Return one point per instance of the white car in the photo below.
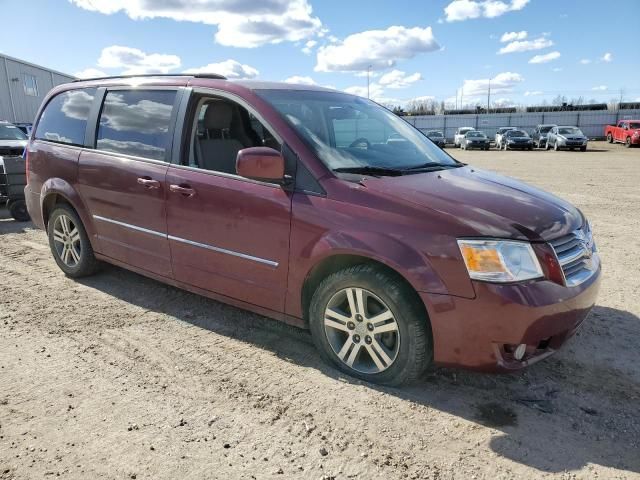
(500, 133)
(460, 133)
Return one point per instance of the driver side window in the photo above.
(220, 129)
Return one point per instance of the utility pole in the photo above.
(489, 96)
(368, 72)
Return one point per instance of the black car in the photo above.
(475, 139)
(437, 137)
(517, 139)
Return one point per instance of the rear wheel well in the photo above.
(336, 263)
(49, 204)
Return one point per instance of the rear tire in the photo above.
(70, 243)
(18, 210)
(609, 138)
(356, 295)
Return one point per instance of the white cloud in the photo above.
(309, 46)
(298, 80)
(135, 61)
(526, 45)
(600, 88)
(585, 61)
(90, 73)
(532, 93)
(502, 102)
(557, 69)
(502, 82)
(240, 23)
(546, 58)
(511, 36)
(607, 57)
(399, 79)
(459, 10)
(375, 91)
(379, 49)
(231, 69)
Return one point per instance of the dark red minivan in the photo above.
(314, 207)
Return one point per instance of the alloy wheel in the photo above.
(66, 240)
(362, 330)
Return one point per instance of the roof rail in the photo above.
(195, 75)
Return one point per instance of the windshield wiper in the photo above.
(370, 170)
(432, 166)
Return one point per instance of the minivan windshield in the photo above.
(350, 133)
(11, 132)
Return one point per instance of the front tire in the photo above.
(70, 244)
(369, 325)
(627, 142)
(556, 147)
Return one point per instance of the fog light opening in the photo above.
(520, 350)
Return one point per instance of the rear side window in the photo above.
(64, 119)
(136, 123)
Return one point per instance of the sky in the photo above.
(450, 50)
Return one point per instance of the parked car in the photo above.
(516, 140)
(12, 183)
(12, 139)
(25, 127)
(437, 137)
(539, 135)
(627, 132)
(394, 254)
(459, 135)
(499, 134)
(475, 139)
(565, 137)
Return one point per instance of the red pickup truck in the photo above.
(627, 132)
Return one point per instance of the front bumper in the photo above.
(480, 146)
(522, 146)
(481, 333)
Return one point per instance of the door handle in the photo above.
(186, 191)
(148, 182)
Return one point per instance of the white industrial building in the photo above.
(23, 86)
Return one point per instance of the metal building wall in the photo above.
(591, 123)
(15, 104)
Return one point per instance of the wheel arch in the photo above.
(55, 191)
(334, 263)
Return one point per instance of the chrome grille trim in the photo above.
(577, 255)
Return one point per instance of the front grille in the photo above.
(9, 151)
(577, 255)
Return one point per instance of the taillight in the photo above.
(26, 163)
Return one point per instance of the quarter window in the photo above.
(136, 123)
(64, 119)
(30, 85)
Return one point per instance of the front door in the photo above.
(228, 234)
(122, 181)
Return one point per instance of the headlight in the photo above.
(500, 260)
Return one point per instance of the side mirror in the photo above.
(261, 163)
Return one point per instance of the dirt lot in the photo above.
(119, 376)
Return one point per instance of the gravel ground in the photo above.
(118, 376)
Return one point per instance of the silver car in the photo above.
(475, 139)
(566, 137)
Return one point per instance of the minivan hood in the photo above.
(483, 203)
